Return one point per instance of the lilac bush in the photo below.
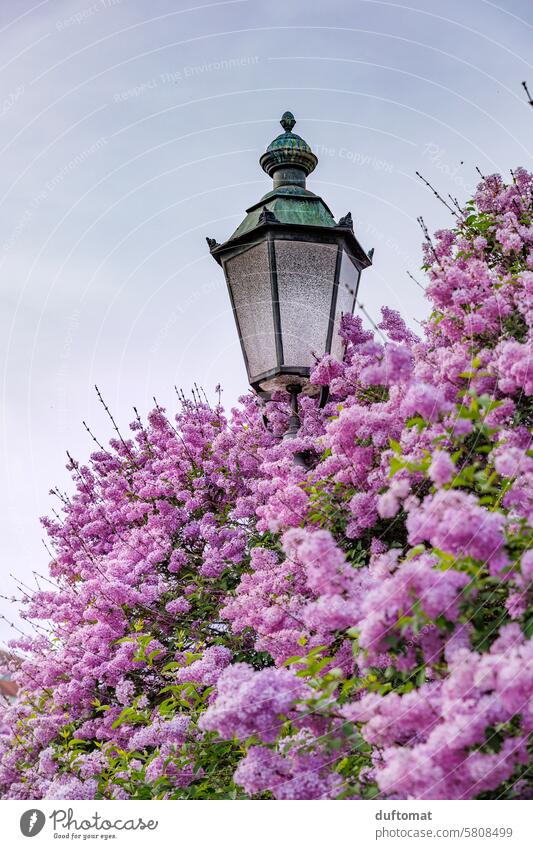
(220, 623)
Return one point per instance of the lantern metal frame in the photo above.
(342, 237)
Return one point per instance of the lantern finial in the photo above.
(288, 121)
(289, 155)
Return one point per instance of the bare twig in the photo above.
(435, 192)
(415, 280)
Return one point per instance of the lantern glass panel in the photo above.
(305, 275)
(348, 280)
(249, 280)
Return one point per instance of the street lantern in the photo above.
(291, 270)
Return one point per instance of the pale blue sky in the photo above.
(130, 130)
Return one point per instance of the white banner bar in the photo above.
(268, 825)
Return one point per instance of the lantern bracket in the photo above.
(301, 458)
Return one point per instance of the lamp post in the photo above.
(292, 271)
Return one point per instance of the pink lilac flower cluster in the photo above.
(440, 741)
(219, 621)
(302, 774)
(251, 703)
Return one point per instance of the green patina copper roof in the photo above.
(290, 205)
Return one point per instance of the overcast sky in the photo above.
(130, 130)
